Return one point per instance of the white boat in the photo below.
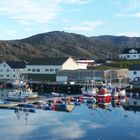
(21, 95)
(89, 91)
(122, 93)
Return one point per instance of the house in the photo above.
(82, 64)
(134, 72)
(130, 54)
(12, 69)
(45, 68)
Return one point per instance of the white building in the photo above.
(12, 69)
(82, 64)
(130, 54)
(134, 72)
(43, 67)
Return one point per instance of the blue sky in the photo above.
(24, 18)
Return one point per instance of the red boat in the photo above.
(103, 96)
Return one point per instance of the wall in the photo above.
(43, 69)
(80, 75)
(82, 66)
(9, 73)
(69, 64)
(5, 71)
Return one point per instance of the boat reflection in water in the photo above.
(72, 118)
(68, 104)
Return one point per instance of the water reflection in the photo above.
(100, 121)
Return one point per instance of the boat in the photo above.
(103, 95)
(89, 91)
(21, 95)
(121, 92)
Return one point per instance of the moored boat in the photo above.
(21, 95)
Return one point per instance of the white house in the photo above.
(134, 72)
(130, 53)
(43, 67)
(82, 64)
(12, 69)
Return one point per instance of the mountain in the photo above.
(59, 44)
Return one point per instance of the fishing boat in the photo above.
(21, 95)
(103, 95)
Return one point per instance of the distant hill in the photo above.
(61, 44)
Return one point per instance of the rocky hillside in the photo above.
(58, 43)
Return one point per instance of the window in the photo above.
(51, 69)
(128, 56)
(134, 55)
(4, 65)
(13, 70)
(46, 69)
(134, 72)
(38, 70)
(7, 70)
(14, 75)
(7, 75)
(56, 69)
(1, 75)
(28, 69)
(33, 70)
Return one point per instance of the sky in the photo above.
(23, 18)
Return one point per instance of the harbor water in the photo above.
(117, 120)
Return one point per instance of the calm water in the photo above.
(83, 123)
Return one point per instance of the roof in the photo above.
(16, 64)
(47, 61)
(135, 67)
(126, 51)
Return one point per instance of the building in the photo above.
(130, 54)
(82, 64)
(134, 72)
(96, 75)
(12, 69)
(45, 68)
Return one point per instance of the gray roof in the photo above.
(126, 51)
(16, 64)
(47, 61)
(135, 67)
